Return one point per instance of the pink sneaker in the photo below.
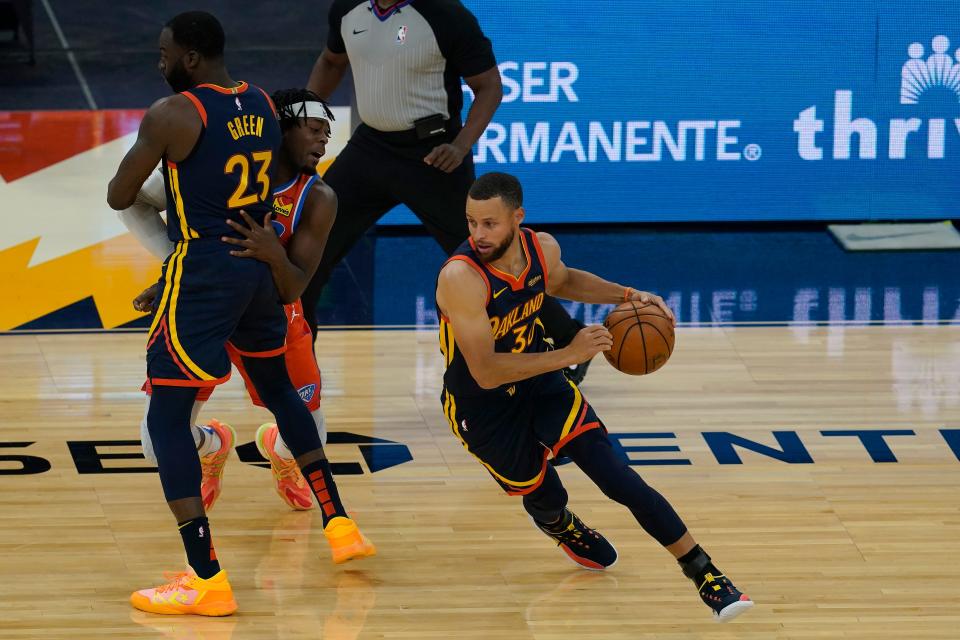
(212, 464)
(291, 486)
(186, 593)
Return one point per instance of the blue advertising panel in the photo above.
(726, 110)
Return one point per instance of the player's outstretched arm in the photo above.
(170, 124)
(293, 267)
(583, 286)
(462, 295)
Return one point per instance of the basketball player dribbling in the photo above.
(508, 405)
(291, 241)
(218, 140)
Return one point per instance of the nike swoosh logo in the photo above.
(857, 237)
(499, 292)
(355, 32)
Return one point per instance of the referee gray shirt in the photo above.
(407, 60)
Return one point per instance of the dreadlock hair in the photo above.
(291, 116)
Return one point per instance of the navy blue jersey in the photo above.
(230, 168)
(513, 306)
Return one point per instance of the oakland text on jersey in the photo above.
(516, 315)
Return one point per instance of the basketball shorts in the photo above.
(512, 431)
(300, 359)
(208, 298)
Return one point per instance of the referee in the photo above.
(408, 57)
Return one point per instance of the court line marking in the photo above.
(70, 57)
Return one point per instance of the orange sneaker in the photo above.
(212, 464)
(188, 594)
(346, 541)
(290, 484)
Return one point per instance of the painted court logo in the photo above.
(938, 70)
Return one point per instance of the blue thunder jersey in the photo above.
(513, 306)
(230, 168)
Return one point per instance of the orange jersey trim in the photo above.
(240, 88)
(515, 282)
(199, 105)
(540, 478)
(164, 329)
(539, 250)
(273, 107)
(476, 268)
(167, 382)
(579, 431)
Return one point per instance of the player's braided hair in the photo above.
(290, 108)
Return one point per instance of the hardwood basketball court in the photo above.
(840, 547)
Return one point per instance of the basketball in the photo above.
(643, 338)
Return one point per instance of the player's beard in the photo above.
(178, 78)
(501, 249)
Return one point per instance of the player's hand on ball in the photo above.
(258, 242)
(144, 302)
(645, 297)
(588, 342)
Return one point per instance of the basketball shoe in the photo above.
(211, 465)
(290, 483)
(346, 541)
(187, 593)
(726, 601)
(583, 545)
(716, 590)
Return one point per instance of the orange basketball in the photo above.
(643, 338)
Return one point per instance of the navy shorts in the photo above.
(513, 430)
(209, 298)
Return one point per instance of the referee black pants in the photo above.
(370, 177)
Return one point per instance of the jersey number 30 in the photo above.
(240, 197)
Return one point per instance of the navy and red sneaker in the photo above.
(583, 545)
(726, 601)
(715, 589)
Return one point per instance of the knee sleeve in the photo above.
(168, 428)
(147, 444)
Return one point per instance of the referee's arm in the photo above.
(327, 73)
(488, 91)
(329, 68)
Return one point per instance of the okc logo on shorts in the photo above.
(940, 69)
(307, 391)
(402, 34)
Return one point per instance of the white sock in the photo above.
(321, 423)
(280, 448)
(195, 412)
(206, 440)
